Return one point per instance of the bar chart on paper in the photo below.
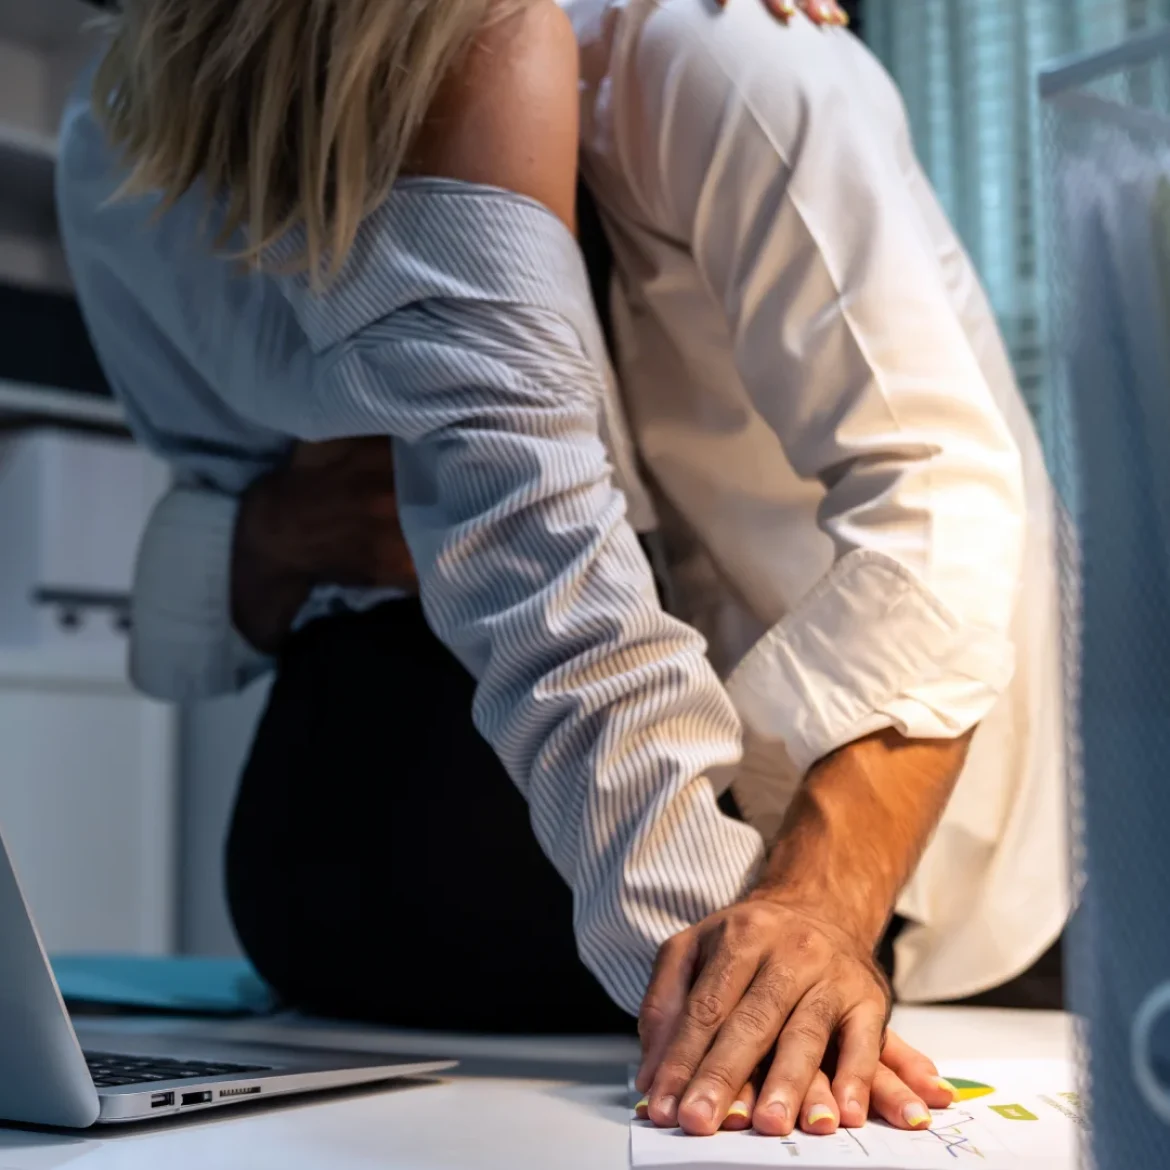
(1009, 1115)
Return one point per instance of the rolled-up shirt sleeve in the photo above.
(183, 644)
(603, 709)
(766, 152)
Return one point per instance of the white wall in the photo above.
(26, 87)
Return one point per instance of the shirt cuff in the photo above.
(869, 647)
(183, 645)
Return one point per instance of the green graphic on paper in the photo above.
(968, 1090)
(1014, 1112)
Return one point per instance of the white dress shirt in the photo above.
(851, 494)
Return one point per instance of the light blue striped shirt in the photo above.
(461, 328)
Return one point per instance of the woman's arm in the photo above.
(216, 576)
(461, 327)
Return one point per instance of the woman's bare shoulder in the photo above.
(508, 117)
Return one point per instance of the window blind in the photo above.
(967, 71)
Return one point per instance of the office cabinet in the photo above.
(87, 784)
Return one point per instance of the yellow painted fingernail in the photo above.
(916, 1115)
(946, 1086)
(642, 1109)
(819, 1113)
(739, 1109)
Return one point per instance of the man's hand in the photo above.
(329, 517)
(906, 1087)
(789, 971)
(725, 990)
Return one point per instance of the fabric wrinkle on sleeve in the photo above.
(603, 709)
(185, 645)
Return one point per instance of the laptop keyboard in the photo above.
(109, 1070)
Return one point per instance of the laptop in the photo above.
(49, 1076)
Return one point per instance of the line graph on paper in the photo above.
(954, 1136)
(845, 1145)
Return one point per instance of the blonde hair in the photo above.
(299, 112)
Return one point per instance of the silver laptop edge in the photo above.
(296, 1074)
(45, 1078)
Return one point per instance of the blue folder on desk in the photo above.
(188, 985)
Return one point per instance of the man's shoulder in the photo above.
(739, 47)
(671, 86)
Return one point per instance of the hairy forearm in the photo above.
(858, 826)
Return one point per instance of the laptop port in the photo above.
(159, 1100)
(243, 1091)
(196, 1098)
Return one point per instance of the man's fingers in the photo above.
(723, 979)
(739, 1116)
(859, 1053)
(799, 1053)
(918, 1072)
(742, 1042)
(665, 1002)
(893, 1101)
(819, 1113)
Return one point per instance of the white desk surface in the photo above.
(569, 1111)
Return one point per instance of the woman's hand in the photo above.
(906, 1088)
(818, 11)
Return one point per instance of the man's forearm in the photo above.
(266, 594)
(858, 826)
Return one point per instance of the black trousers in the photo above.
(380, 865)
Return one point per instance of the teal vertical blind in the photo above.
(967, 70)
